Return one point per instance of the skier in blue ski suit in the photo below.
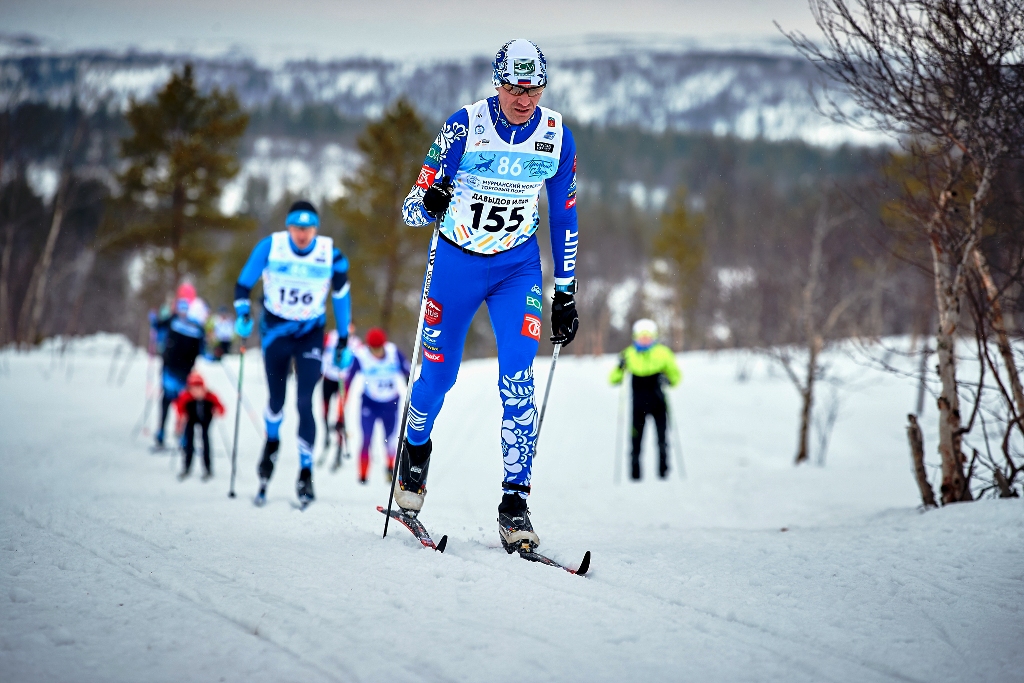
(482, 179)
(298, 268)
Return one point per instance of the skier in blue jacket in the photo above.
(299, 268)
(481, 180)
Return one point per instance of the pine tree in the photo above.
(182, 151)
(680, 241)
(386, 256)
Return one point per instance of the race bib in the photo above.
(497, 187)
(295, 286)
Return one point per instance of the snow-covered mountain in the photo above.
(747, 94)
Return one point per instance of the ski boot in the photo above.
(304, 487)
(514, 525)
(412, 478)
(265, 469)
(183, 475)
(207, 476)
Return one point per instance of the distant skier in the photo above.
(333, 378)
(184, 341)
(650, 364)
(223, 332)
(499, 153)
(383, 367)
(159, 324)
(299, 268)
(196, 407)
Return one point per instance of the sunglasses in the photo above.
(518, 90)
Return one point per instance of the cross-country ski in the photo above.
(417, 529)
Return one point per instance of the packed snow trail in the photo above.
(111, 570)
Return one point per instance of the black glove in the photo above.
(437, 198)
(564, 319)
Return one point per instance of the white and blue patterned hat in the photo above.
(520, 62)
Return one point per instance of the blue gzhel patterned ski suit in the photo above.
(295, 287)
(488, 252)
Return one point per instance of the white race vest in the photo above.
(381, 376)
(295, 287)
(497, 186)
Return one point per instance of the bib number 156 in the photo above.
(295, 295)
(496, 217)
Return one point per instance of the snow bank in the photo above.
(746, 570)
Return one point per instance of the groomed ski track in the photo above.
(111, 570)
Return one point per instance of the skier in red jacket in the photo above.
(196, 406)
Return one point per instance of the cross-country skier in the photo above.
(159, 324)
(299, 268)
(196, 406)
(651, 364)
(184, 341)
(223, 332)
(383, 366)
(498, 153)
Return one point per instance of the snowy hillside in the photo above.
(746, 570)
(748, 94)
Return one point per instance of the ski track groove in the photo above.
(627, 603)
(196, 601)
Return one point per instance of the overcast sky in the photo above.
(393, 28)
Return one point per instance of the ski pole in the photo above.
(547, 393)
(238, 416)
(413, 365)
(675, 433)
(249, 410)
(141, 427)
(619, 445)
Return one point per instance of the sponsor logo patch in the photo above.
(430, 339)
(434, 153)
(433, 357)
(533, 302)
(573, 163)
(524, 67)
(433, 314)
(485, 141)
(531, 327)
(536, 290)
(543, 146)
(551, 122)
(478, 130)
(570, 202)
(550, 135)
(426, 177)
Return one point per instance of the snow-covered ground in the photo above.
(747, 570)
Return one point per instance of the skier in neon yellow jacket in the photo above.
(650, 364)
